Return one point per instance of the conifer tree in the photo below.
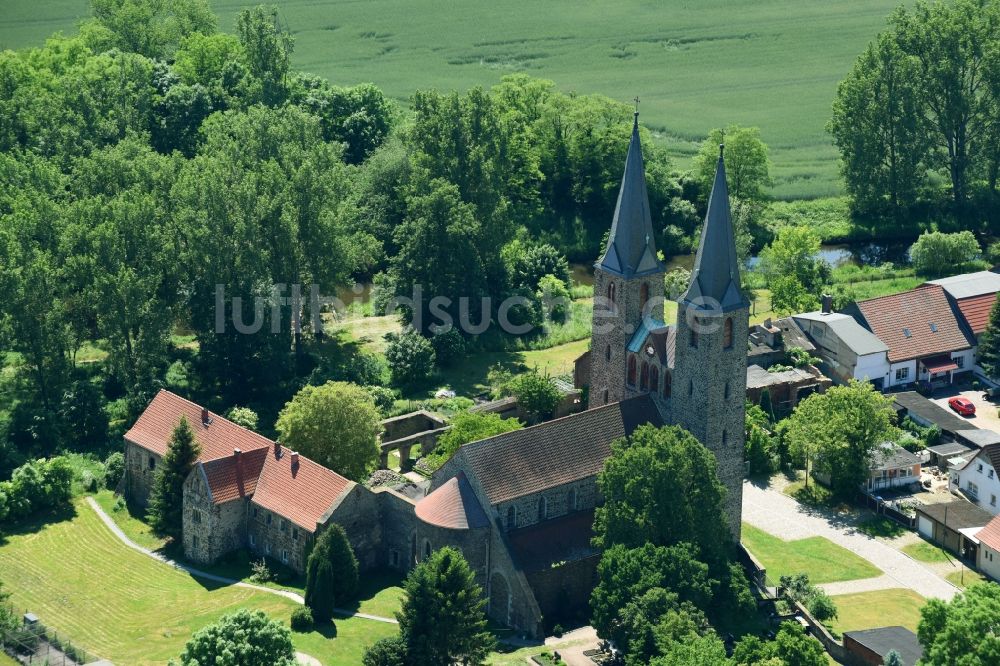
(989, 343)
(166, 502)
(442, 619)
(331, 573)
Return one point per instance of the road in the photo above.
(774, 512)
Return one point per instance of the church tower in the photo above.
(711, 348)
(628, 282)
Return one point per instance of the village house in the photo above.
(893, 467)
(973, 296)
(927, 342)
(989, 549)
(847, 349)
(978, 480)
(953, 525)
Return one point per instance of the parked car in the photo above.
(962, 405)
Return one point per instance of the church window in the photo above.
(543, 508)
(666, 384)
(643, 295)
(725, 391)
(607, 353)
(427, 548)
(511, 517)
(253, 540)
(725, 438)
(611, 293)
(693, 340)
(631, 370)
(152, 462)
(644, 377)
(284, 556)
(194, 541)
(654, 379)
(195, 516)
(690, 387)
(571, 500)
(727, 333)
(605, 396)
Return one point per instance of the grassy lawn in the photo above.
(880, 526)
(126, 607)
(130, 521)
(870, 610)
(964, 579)
(924, 551)
(823, 560)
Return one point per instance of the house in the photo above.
(978, 479)
(771, 341)
(973, 295)
(893, 467)
(871, 646)
(949, 523)
(847, 349)
(927, 342)
(785, 387)
(989, 549)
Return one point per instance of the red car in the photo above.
(962, 405)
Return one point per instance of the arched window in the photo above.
(690, 387)
(605, 396)
(643, 295)
(511, 517)
(725, 391)
(427, 548)
(543, 508)
(607, 353)
(611, 292)
(654, 379)
(631, 370)
(571, 500)
(725, 438)
(666, 384)
(727, 333)
(644, 377)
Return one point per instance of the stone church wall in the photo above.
(358, 514)
(398, 529)
(563, 592)
(138, 473)
(557, 503)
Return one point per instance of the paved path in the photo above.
(297, 598)
(780, 515)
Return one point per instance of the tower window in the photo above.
(725, 438)
(605, 396)
(666, 384)
(690, 387)
(643, 295)
(543, 509)
(611, 292)
(631, 370)
(654, 379)
(693, 340)
(607, 353)
(725, 391)
(644, 377)
(727, 333)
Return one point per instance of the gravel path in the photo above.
(780, 515)
(297, 598)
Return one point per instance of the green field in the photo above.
(821, 559)
(871, 610)
(774, 64)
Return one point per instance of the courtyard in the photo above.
(986, 417)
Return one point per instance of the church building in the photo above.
(520, 505)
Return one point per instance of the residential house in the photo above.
(893, 467)
(927, 341)
(989, 549)
(978, 479)
(953, 525)
(973, 295)
(847, 349)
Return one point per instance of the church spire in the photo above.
(631, 250)
(715, 279)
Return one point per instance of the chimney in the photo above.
(277, 449)
(827, 303)
(204, 417)
(295, 458)
(236, 454)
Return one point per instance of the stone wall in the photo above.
(559, 501)
(474, 545)
(210, 530)
(271, 535)
(563, 592)
(398, 529)
(139, 474)
(510, 599)
(409, 424)
(358, 513)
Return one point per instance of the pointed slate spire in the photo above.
(715, 279)
(631, 250)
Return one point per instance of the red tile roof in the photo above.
(453, 505)
(915, 323)
(976, 311)
(217, 440)
(990, 535)
(229, 480)
(302, 493)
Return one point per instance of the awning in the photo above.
(937, 364)
(970, 533)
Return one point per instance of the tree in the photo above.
(794, 253)
(471, 427)
(166, 500)
(841, 430)
(152, 28)
(336, 425)
(442, 619)
(936, 254)
(555, 299)
(527, 263)
(791, 645)
(989, 343)
(708, 650)
(331, 573)
(536, 394)
(410, 357)
(243, 638)
(961, 631)
(114, 469)
(789, 296)
(759, 452)
(747, 164)
(880, 129)
(243, 417)
(268, 50)
(386, 652)
(661, 487)
(893, 658)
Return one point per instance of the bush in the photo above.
(821, 606)
(383, 397)
(555, 298)
(114, 470)
(937, 253)
(244, 417)
(302, 619)
(88, 482)
(410, 356)
(38, 485)
(386, 652)
(536, 394)
(261, 572)
(449, 347)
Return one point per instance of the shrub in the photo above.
(302, 619)
(555, 298)
(243, 416)
(384, 398)
(821, 606)
(386, 652)
(114, 470)
(88, 482)
(261, 572)
(410, 356)
(449, 347)
(258, 640)
(536, 394)
(937, 253)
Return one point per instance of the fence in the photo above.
(888, 509)
(34, 643)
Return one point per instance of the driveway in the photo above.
(774, 512)
(986, 412)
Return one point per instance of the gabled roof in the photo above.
(229, 479)
(990, 454)
(556, 452)
(913, 324)
(662, 337)
(885, 640)
(976, 311)
(715, 278)
(957, 514)
(631, 250)
(990, 535)
(856, 337)
(155, 425)
(980, 437)
(453, 505)
(892, 456)
(303, 493)
(970, 284)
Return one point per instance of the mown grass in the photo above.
(870, 610)
(965, 578)
(923, 551)
(117, 603)
(773, 64)
(821, 559)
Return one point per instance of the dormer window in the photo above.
(907, 333)
(933, 327)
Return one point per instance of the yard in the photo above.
(821, 559)
(870, 610)
(124, 606)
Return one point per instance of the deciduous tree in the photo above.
(747, 164)
(243, 638)
(961, 631)
(989, 343)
